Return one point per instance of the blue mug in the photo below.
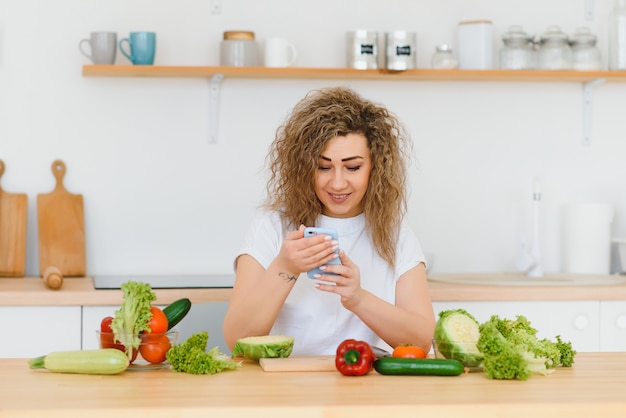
(142, 47)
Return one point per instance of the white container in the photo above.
(400, 46)
(362, 49)
(617, 36)
(621, 250)
(587, 238)
(585, 53)
(554, 50)
(475, 45)
(239, 49)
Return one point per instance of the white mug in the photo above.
(279, 52)
(102, 45)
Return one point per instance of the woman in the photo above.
(339, 161)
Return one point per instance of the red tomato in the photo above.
(154, 347)
(106, 334)
(158, 324)
(107, 339)
(408, 351)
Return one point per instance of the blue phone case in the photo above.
(313, 231)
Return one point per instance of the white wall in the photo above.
(160, 199)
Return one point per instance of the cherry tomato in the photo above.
(154, 347)
(408, 351)
(107, 338)
(158, 324)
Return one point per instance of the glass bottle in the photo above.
(554, 50)
(585, 54)
(518, 52)
(617, 36)
(444, 58)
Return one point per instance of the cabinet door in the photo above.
(33, 331)
(613, 325)
(578, 321)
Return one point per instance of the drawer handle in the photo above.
(581, 321)
(620, 322)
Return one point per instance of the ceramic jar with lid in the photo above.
(444, 58)
(518, 51)
(585, 53)
(401, 52)
(554, 50)
(362, 49)
(239, 49)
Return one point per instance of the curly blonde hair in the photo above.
(293, 160)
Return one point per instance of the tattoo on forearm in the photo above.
(288, 277)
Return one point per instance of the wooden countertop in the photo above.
(77, 291)
(80, 291)
(594, 386)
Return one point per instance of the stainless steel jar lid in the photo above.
(516, 36)
(583, 37)
(554, 34)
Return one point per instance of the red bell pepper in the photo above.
(354, 358)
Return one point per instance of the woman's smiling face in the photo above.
(342, 175)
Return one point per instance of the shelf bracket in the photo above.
(588, 108)
(588, 10)
(214, 107)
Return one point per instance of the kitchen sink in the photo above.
(520, 279)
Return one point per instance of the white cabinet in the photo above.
(613, 326)
(575, 321)
(32, 331)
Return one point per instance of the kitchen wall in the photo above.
(159, 199)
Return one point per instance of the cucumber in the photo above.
(417, 366)
(176, 311)
(102, 361)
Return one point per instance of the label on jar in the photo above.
(367, 49)
(403, 50)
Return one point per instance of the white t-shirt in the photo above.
(317, 319)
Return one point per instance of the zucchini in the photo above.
(418, 366)
(176, 311)
(102, 361)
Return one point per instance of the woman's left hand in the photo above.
(347, 280)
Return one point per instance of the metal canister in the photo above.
(400, 47)
(239, 49)
(362, 49)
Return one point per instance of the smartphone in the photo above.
(313, 231)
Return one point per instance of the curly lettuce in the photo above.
(134, 315)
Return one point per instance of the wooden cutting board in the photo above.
(61, 228)
(299, 364)
(13, 215)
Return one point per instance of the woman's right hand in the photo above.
(299, 254)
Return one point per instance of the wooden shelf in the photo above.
(349, 73)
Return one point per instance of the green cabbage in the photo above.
(456, 336)
(267, 346)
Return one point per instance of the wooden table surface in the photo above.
(594, 387)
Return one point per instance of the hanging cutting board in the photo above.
(13, 212)
(299, 364)
(61, 228)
